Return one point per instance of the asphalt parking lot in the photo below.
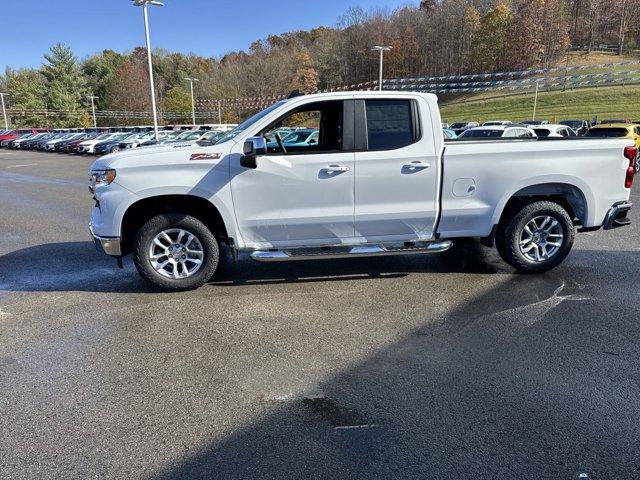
(440, 367)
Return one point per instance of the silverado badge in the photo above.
(205, 156)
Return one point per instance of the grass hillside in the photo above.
(610, 102)
(620, 101)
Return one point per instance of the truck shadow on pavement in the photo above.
(535, 378)
(76, 266)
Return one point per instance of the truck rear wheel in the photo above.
(176, 252)
(537, 238)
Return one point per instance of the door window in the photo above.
(312, 128)
(390, 124)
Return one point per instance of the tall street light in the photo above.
(193, 104)
(93, 109)
(4, 111)
(144, 4)
(381, 49)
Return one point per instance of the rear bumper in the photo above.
(108, 245)
(617, 216)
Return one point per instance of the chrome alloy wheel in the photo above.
(176, 253)
(541, 239)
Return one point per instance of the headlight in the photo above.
(101, 177)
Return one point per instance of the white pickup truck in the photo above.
(379, 180)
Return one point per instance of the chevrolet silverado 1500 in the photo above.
(380, 180)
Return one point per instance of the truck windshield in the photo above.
(607, 132)
(249, 122)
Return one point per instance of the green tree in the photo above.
(488, 52)
(100, 71)
(178, 100)
(28, 97)
(66, 86)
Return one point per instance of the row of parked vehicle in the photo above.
(610, 128)
(104, 141)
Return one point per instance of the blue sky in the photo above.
(205, 27)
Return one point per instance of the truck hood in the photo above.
(158, 155)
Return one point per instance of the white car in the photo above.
(497, 123)
(51, 144)
(554, 131)
(494, 132)
(383, 183)
(89, 145)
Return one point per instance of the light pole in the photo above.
(535, 101)
(144, 4)
(4, 111)
(93, 109)
(193, 104)
(381, 49)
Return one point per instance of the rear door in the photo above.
(397, 170)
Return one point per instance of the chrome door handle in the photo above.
(331, 169)
(413, 166)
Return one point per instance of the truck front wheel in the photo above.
(537, 238)
(176, 252)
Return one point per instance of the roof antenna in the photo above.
(295, 93)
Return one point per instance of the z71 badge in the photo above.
(205, 156)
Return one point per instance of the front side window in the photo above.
(312, 128)
(389, 124)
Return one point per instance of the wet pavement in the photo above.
(439, 367)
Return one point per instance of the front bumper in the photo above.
(617, 216)
(108, 245)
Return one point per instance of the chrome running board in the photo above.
(297, 254)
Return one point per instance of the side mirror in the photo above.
(253, 147)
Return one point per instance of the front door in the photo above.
(397, 171)
(301, 193)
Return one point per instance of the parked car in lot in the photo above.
(297, 138)
(23, 139)
(74, 145)
(554, 131)
(112, 145)
(496, 131)
(188, 136)
(88, 146)
(449, 134)
(534, 123)
(382, 184)
(135, 142)
(616, 130)
(11, 135)
(164, 136)
(209, 138)
(51, 145)
(63, 146)
(581, 127)
(497, 123)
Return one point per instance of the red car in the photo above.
(13, 134)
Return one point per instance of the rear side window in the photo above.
(389, 124)
(542, 132)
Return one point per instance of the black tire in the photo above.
(510, 234)
(153, 227)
